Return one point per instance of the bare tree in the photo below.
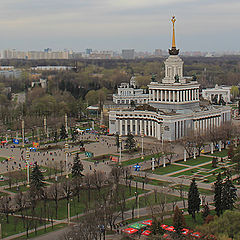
(54, 193)
(168, 149)
(5, 206)
(98, 179)
(20, 202)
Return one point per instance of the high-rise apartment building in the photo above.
(128, 53)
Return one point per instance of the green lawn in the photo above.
(22, 188)
(15, 225)
(208, 166)
(185, 188)
(42, 231)
(223, 153)
(2, 159)
(198, 160)
(139, 160)
(151, 181)
(187, 172)
(171, 168)
(211, 178)
(79, 207)
(21, 175)
(150, 199)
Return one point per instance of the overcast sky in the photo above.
(206, 25)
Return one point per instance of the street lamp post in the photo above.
(162, 134)
(69, 211)
(137, 203)
(66, 158)
(120, 146)
(142, 136)
(27, 161)
(23, 137)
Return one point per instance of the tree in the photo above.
(37, 178)
(63, 132)
(193, 199)
(156, 227)
(74, 134)
(5, 206)
(205, 211)
(130, 142)
(227, 225)
(234, 91)
(218, 195)
(229, 194)
(230, 152)
(77, 167)
(178, 220)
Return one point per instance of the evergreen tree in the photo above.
(77, 167)
(193, 199)
(218, 195)
(205, 211)
(156, 227)
(229, 194)
(36, 178)
(55, 136)
(178, 220)
(74, 134)
(130, 142)
(63, 132)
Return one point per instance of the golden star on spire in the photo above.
(173, 37)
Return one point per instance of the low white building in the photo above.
(214, 95)
(51, 68)
(128, 93)
(41, 83)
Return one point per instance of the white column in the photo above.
(149, 128)
(156, 130)
(131, 126)
(178, 96)
(145, 127)
(220, 146)
(153, 160)
(164, 163)
(141, 126)
(136, 127)
(126, 127)
(185, 155)
(174, 96)
(211, 146)
(120, 127)
(153, 95)
(157, 95)
(194, 153)
(161, 95)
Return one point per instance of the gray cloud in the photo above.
(116, 24)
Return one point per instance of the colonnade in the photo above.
(205, 124)
(186, 95)
(149, 128)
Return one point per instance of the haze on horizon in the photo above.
(206, 25)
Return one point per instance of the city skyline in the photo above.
(142, 25)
